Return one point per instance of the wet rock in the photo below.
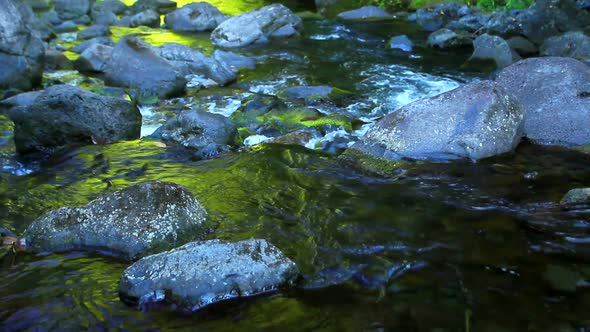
(554, 94)
(71, 9)
(199, 16)
(256, 27)
(432, 19)
(94, 31)
(21, 99)
(448, 39)
(576, 197)
(190, 61)
(94, 58)
(87, 43)
(506, 23)
(159, 6)
(202, 273)
(233, 60)
(139, 220)
(66, 115)
(112, 6)
(470, 23)
(493, 50)
(547, 18)
(21, 49)
(522, 46)
(136, 64)
(476, 121)
(203, 131)
(573, 44)
(56, 60)
(149, 18)
(304, 91)
(401, 43)
(366, 12)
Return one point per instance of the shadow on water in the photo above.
(457, 246)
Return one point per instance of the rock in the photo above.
(492, 49)
(83, 20)
(116, 7)
(402, 43)
(38, 5)
(199, 130)
(574, 44)
(50, 17)
(71, 9)
(233, 60)
(66, 115)
(470, 23)
(304, 91)
(139, 220)
(578, 197)
(21, 49)
(198, 16)
(127, 68)
(554, 94)
(56, 60)
(94, 58)
(506, 23)
(432, 19)
(104, 18)
(148, 18)
(256, 26)
(547, 18)
(94, 31)
(159, 6)
(447, 39)
(67, 26)
(366, 12)
(87, 43)
(21, 99)
(522, 46)
(476, 121)
(202, 273)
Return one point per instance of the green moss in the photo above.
(371, 164)
(297, 118)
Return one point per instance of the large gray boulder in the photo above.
(205, 132)
(71, 9)
(492, 50)
(190, 61)
(475, 121)
(21, 49)
(366, 12)
(67, 115)
(198, 16)
(142, 219)
(574, 44)
(547, 18)
(202, 273)
(554, 94)
(257, 27)
(136, 64)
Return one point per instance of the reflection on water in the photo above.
(459, 246)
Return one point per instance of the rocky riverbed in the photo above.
(281, 169)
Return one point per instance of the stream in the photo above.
(454, 246)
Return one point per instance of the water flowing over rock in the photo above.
(476, 121)
(67, 115)
(366, 12)
(21, 49)
(199, 16)
(554, 93)
(204, 131)
(202, 273)
(136, 64)
(257, 27)
(142, 219)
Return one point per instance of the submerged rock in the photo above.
(67, 115)
(136, 64)
(202, 273)
(576, 198)
(554, 93)
(257, 27)
(199, 16)
(195, 129)
(21, 49)
(476, 121)
(142, 219)
(366, 12)
(574, 44)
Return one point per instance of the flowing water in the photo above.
(457, 246)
